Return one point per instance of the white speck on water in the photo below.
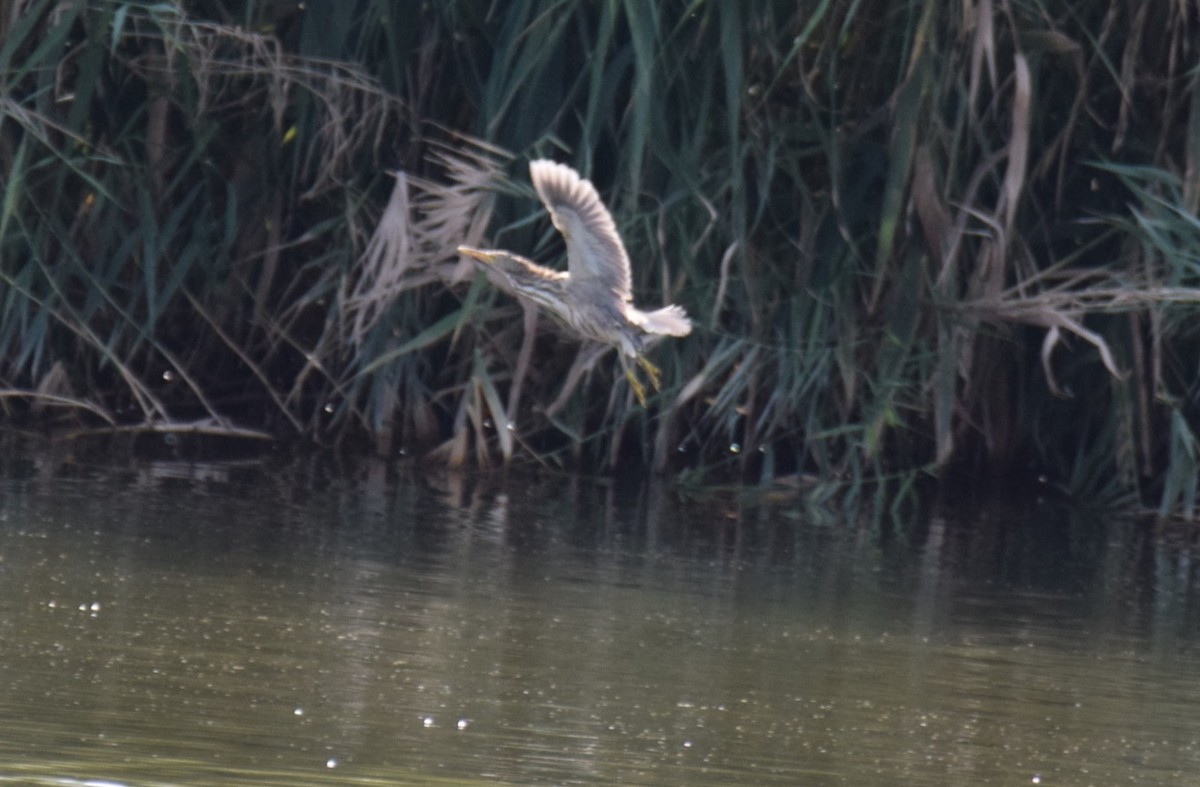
(331, 763)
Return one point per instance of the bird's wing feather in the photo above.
(595, 253)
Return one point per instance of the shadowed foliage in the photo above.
(915, 237)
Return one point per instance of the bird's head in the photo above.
(519, 275)
(483, 255)
(510, 266)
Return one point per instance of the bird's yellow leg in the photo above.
(652, 372)
(638, 389)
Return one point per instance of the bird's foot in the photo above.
(639, 390)
(652, 372)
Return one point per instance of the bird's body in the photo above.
(593, 297)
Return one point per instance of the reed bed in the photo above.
(918, 239)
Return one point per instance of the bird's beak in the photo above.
(478, 254)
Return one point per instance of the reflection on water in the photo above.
(169, 624)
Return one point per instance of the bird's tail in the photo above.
(669, 321)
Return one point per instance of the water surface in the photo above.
(173, 624)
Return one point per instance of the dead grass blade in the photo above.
(1018, 146)
(414, 241)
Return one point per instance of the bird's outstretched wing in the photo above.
(595, 253)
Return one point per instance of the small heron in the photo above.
(593, 295)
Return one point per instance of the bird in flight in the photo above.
(593, 296)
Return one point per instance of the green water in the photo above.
(173, 624)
